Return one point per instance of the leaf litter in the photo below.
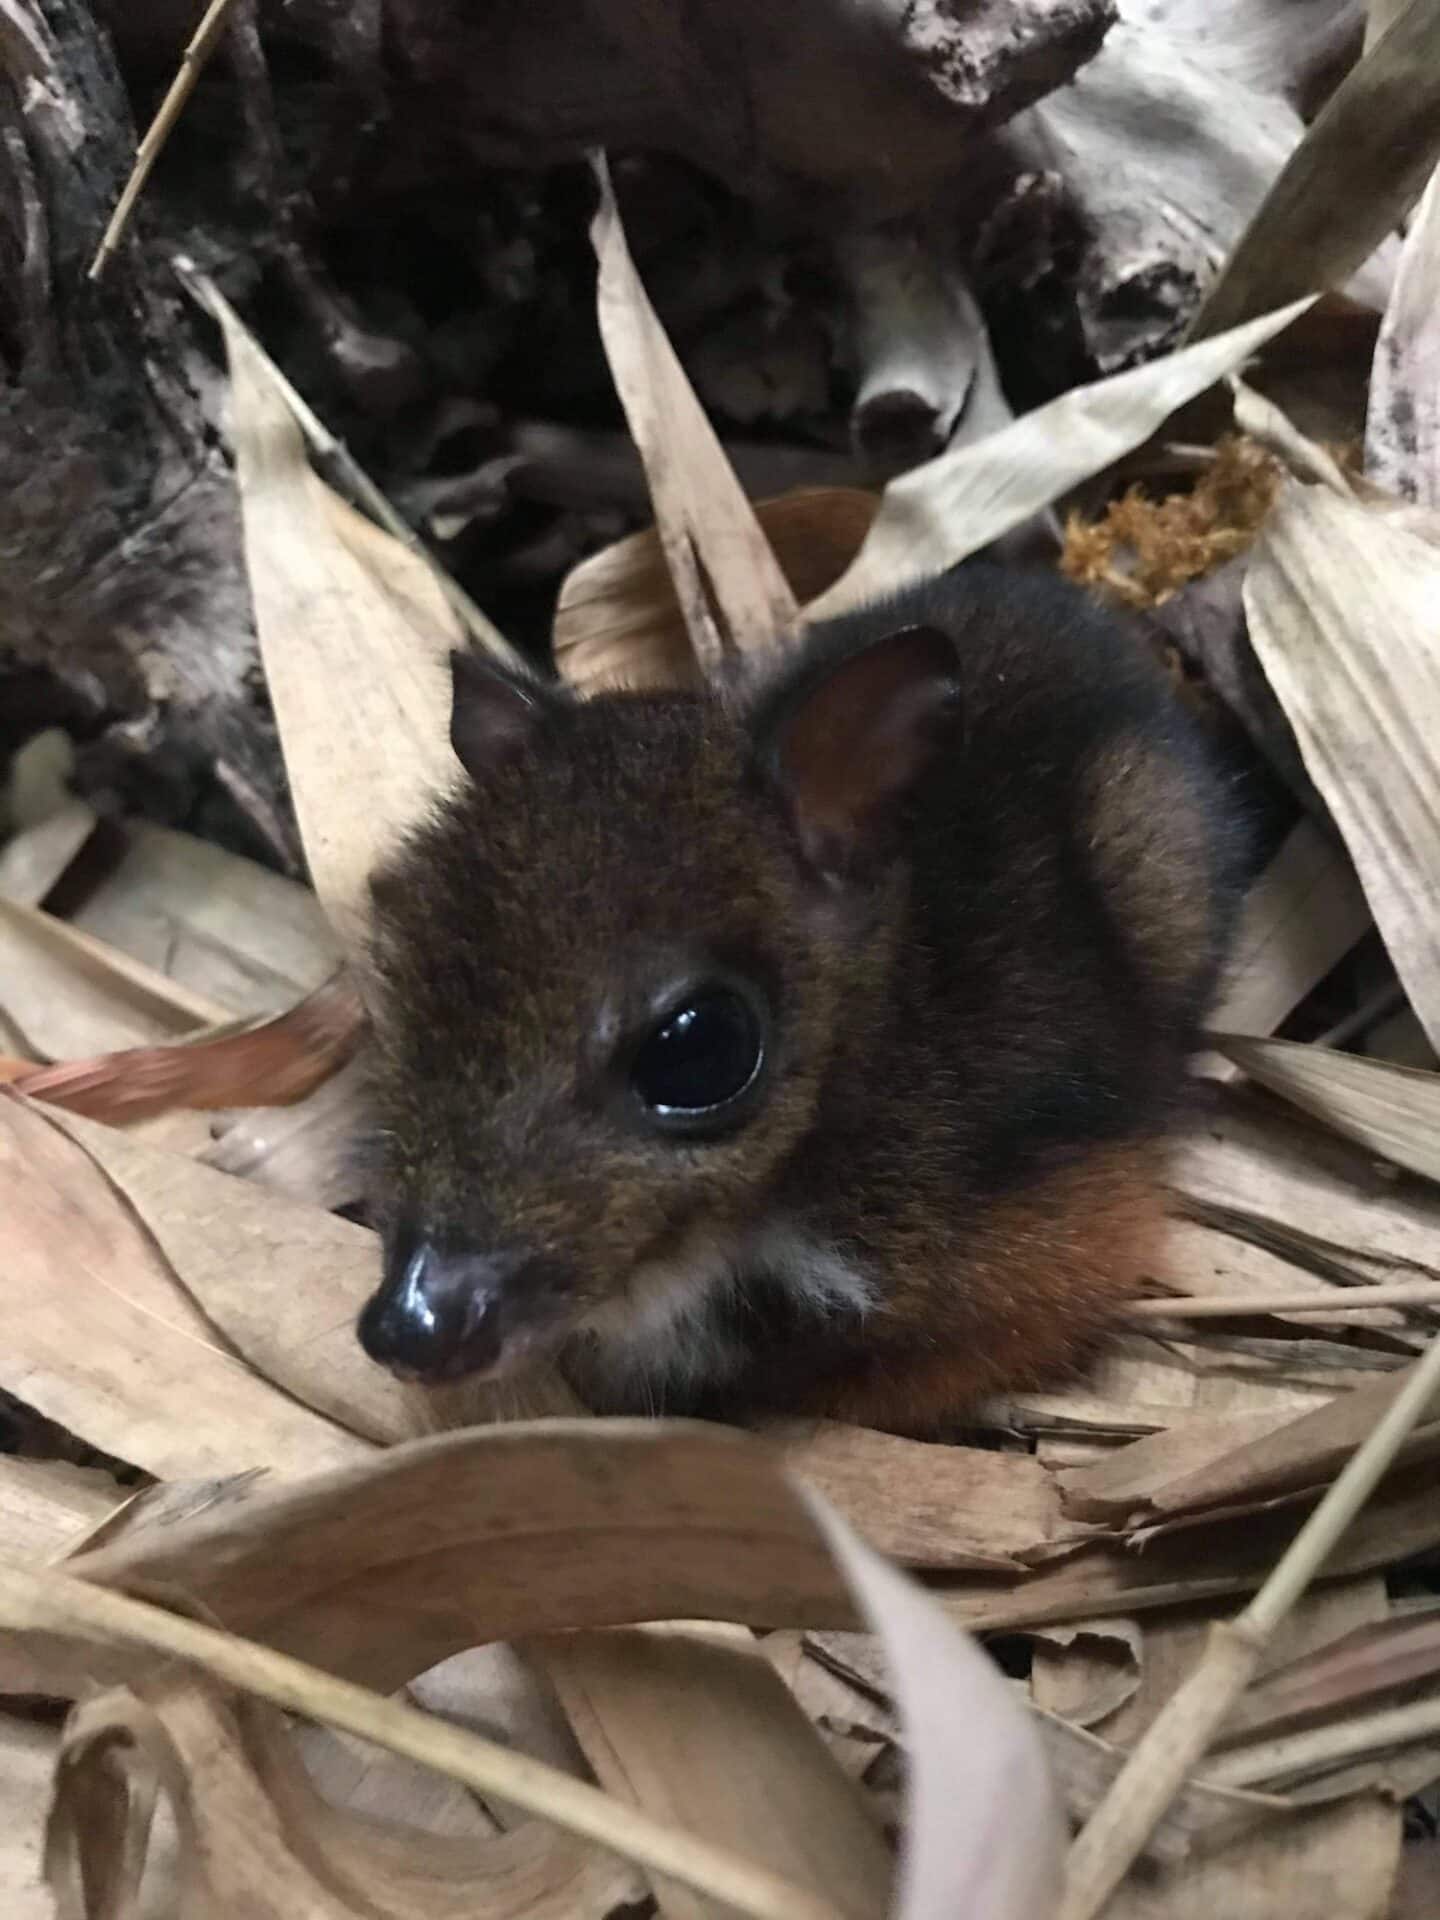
(312, 1550)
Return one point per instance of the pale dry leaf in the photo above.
(1091, 1667)
(1402, 427)
(618, 621)
(1360, 166)
(1344, 612)
(1300, 918)
(277, 1284)
(753, 1776)
(1306, 1194)
(729, 584)
(345, 662)
(210, 920)
(939, 513)
(274, 1063)
(1390, 1111)
(47, 1507)
(97, 1333)
(984, 1834)
(32, 860)
(66, 993)
(27, 1768)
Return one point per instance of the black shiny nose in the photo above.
(438, 1314)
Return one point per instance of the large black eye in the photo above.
(701, 1056)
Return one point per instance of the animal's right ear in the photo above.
(492, 713)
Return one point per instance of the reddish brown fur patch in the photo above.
(1045, 1272)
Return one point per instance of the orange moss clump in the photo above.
(1143, 550)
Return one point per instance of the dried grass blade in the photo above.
(51, 1603)
(1344, 612)
(1402, 426)
(272, 1063)
(1390, 1111)
(728, 581)
(939, 513)
(1359, 167)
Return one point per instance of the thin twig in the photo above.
(1163, 1759)
(1276, 1761)
(50, 1602)
(1303, 1300)
(203, 290)
(192, 62)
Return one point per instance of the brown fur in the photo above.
(985, 926)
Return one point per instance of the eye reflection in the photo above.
(701, 1057)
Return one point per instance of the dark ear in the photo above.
(848, 745)
(492, 713)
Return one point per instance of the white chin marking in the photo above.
(672, 1333)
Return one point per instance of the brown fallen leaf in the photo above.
(618, 622)
(273, 1063)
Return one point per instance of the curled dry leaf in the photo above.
(940, 513)
(270, 1064)
(1402, 427)
(1343, 606)
(618, 622)
(731, 590)
(1391, 1111)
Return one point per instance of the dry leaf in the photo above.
(48, 1506)
(27, 1768)
(1391, 1111)
(946, 1507)
(1359, 167)
(618, 622)
(940, 513)
(223, 926)
(983, 1834)
(1300, 918)
(1344, 612)
(640, 1702)
(64, 992)
(272, 1064)
(346, 663)
(731, 591)
(97, 1333)
(1402, 428)
(32, 860)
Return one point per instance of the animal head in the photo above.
(611, 972)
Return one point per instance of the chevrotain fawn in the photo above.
(810, 1046)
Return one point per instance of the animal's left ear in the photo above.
(492, 714)
(846, 745)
